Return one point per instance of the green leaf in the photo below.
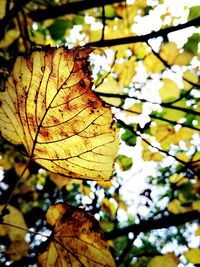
(194, 12)
(125, 163)
(192, 43)
(129, 138)
(58, 28)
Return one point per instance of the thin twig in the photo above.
(55, 11)
(24, 229)
(146, 37)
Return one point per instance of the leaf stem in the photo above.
(24, 229)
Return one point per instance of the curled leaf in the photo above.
(76, 240)
(49, 107)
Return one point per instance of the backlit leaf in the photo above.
(175, 207)
(169, 91)
(189, 76)
(49, 107)
(193, 255)
(168, 260)
(192, 43)
(125, 163)
(15, 217)
(18, 246)
(153, 64)
(169, 52)
(76, 240)
(194, 12)
(111, 86)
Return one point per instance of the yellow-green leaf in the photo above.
(169, 91)
(49, 107)
(76, 240)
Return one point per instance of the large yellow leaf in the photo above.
(49, 107)
(76, 240)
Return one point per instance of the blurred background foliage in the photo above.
(149, 75)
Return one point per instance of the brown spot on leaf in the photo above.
(55, 120)
(63, 133)
(45, 133)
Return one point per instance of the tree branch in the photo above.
(10, 15)
(166, 105)
(155, 224)
(69, 8)
(146, 37)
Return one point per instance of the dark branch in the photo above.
(153, 224)
(69, 8)
(10, 15)
(166, 105)
(146, 37)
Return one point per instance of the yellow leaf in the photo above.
(76, 240)
(169, 91)
(15, 217)
(175, 207)
(5, 164)
(164, 134)
(49, 107)
(136, 109)
(140, 50)
(193, 255)
(60, 180)
(126, 71)
(113, 87)
(196, 205)
(10, 37)
(19, 169)
(105, 185)
(3, 8)
(148, 155)
(169, 52)
(183, 156)
(184, 134)
(183, 58)
(168, 260)
(153, 64)
(198, 231)
(178, 179)
(190, 76)
(18, 247)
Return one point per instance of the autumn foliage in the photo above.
(99, 133)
